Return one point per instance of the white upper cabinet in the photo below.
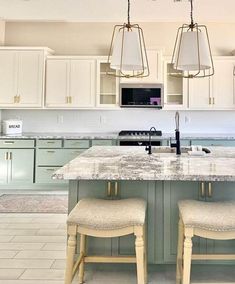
(57, 82)
(8, 84)
(30, 78)
(216, 92)
(21, 78)
(175, 88)
(70, 83)
(155, 68)
(82, 83)
(223, 84)
(200, 94)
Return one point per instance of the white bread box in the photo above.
(12, 126)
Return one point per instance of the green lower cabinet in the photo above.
(3, 166)
(21, 166)
(173, 192)
(224, 143)
(16, 166)
(44, 174)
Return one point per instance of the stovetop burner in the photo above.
(139, 133)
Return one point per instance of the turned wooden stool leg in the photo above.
(145, 257)
(179, 260)
(71, 247)
(187, 255)
(139, 248)
(82, 253)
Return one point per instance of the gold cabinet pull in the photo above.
(202, 190)
(213, 101)
(8, 142)
(51, 170)
(209, 100)
(210, 190)
(70, 99)
(10, 156)
(116, 189)
(109, 189)
(6, 156)
(51, 152)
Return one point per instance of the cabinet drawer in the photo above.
(43, 175)
(102, 142)
(21, 143)
(229, 143)
(49, 143)
(83, 144)
(56, 157)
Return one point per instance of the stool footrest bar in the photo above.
(213, 256)
(110, 259)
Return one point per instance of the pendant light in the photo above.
(192, 53)
(127, 54)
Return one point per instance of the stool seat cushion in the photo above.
(108, 214)
(213, 216)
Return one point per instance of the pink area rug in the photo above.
(40, 203)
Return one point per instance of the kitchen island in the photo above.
(162, 179)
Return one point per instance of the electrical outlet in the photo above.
(103, 119)
(60, 119)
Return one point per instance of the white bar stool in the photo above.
(211, 220)
(105, 219)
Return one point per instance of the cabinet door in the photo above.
(173, 192)
(8, 76)
(3, 166)
(30, 78)
(57, 83)
(82, 83)
(221, 191)
(21, 166)
(223, 84)
(155, 69)
(200, 93)
(107, 86)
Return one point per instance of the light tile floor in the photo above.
(32, 251)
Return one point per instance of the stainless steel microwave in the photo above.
(141, 95)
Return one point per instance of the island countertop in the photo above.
(133, 163)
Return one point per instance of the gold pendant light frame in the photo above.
(177, 47)
(144, 71)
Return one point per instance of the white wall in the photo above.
(93, 39)
(112, 121)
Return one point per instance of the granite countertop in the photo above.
(133, 163)
(114, 135)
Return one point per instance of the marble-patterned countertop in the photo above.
(114, 135)
(133, 163)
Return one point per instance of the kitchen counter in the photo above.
(133, 163)
(114, 135)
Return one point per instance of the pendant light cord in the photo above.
(128, 13)
(191, 14)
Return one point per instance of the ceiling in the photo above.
(115, 10)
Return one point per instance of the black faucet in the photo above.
(149, 147)
(177, 135)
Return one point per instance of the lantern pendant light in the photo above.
(192, 53)
(127, 54)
